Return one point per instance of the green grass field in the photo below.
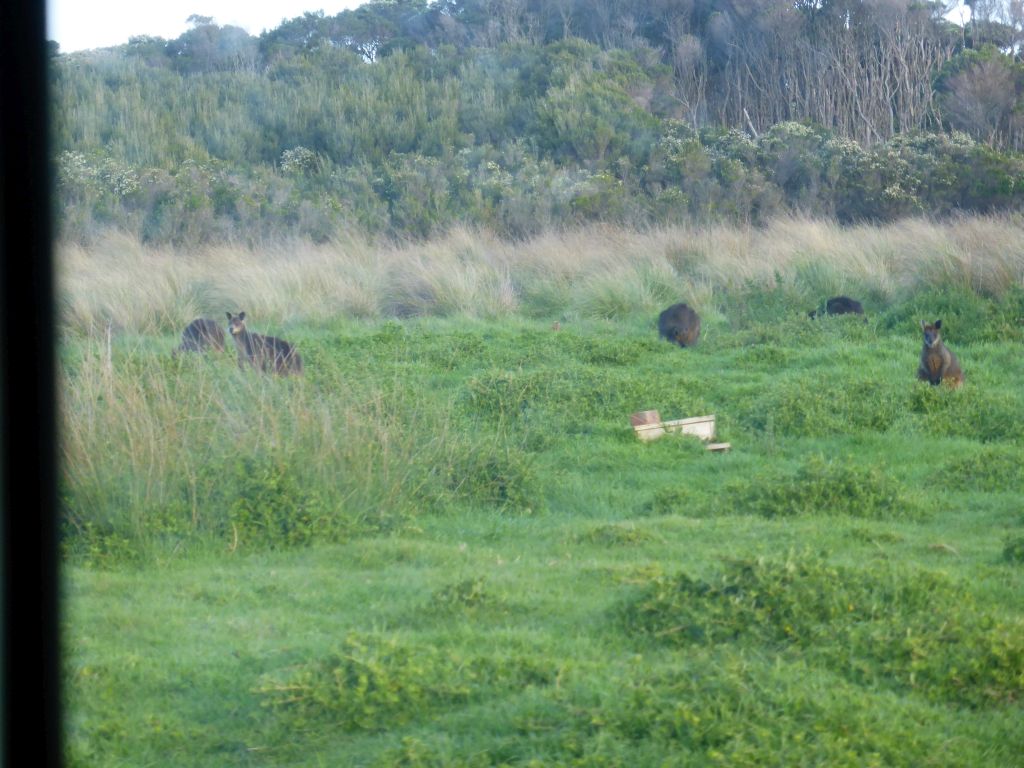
(444, 545)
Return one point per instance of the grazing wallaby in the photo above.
(199, 335)
(938, 364)
(264, 353)
(839, 305)
(679, 324)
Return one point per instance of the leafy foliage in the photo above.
(407, 119)
(373, 683)
(818, 487)
(885, 627)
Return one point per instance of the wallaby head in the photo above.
(236, 323)
(932, 336)
(265, 353)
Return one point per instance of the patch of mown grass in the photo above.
(901, 628)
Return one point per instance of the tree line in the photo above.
(403, 117)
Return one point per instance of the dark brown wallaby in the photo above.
(938, 363)
(264, 353)
(679, 324)
(839, 305)
(199, 335)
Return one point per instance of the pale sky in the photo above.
(82, 24)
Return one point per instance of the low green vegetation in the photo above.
(444, 546)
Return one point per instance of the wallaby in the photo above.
(839, 305)
(199, 335)
(679, 324)
(938, 363)
(264, 353)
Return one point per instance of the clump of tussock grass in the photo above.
(972, 253)
(462, 273)
(907, 630)
(155, 450)
(448, 287)
(601, 271)
(321, 281)
(614, 295)
(120, 284)
(153, 290)
(288, 280)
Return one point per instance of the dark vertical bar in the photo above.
(32, 727)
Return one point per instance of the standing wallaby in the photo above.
(839, 305)
(938, 364)
(199, 335)
(264, 353)
(679, 324)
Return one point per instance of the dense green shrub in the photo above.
(1013, 549)
(409, 140)
(907, 630)
(992, 468)
(500, 479)
(804, 405)
(822, 487)
(271, 509)
(818, 487)
(977, 412)
(373, 683)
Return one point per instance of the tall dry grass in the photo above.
(598, 271)
(151, 445)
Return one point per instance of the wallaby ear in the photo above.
(922, 325)
(229, 316)
(938, 324)
(241, 315)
